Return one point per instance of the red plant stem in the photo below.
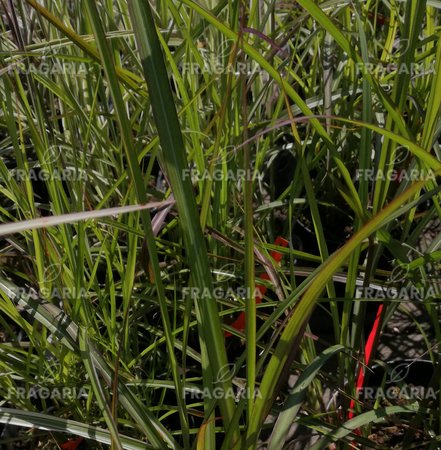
(368, 351)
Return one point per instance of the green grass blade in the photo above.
(374, 416)
(174, 157)
(97, 389)
(29, 419)
(433, 106)
(297, 397)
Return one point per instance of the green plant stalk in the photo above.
(347, 366)
(413, 19)
(98, 390)
(216, 152)
(174, 157)
(321, 242)
(250, 305)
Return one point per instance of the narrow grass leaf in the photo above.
(29, 419)
(173, 154)
(297, 396)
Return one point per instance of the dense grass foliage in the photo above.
(220, 224)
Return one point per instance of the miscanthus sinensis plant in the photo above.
(151, 154)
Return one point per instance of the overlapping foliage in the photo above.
(228, 124)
